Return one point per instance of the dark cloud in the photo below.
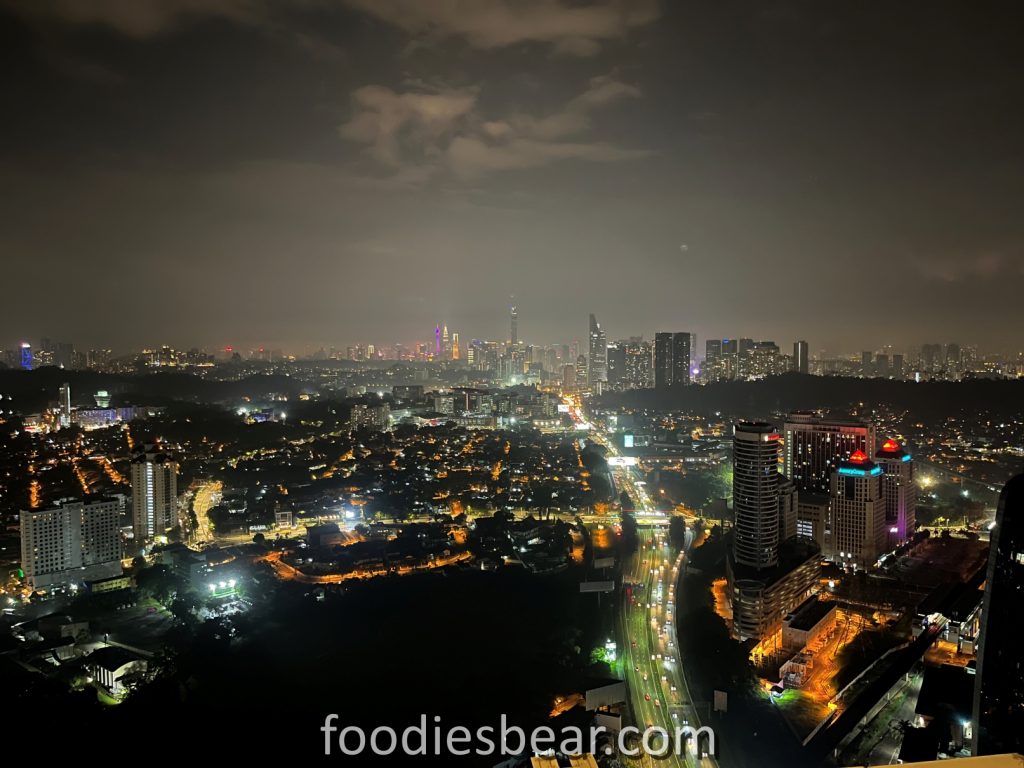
(320, 172)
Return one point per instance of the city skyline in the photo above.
(614, 161)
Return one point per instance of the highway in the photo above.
(658, 695)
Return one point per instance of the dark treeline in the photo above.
(794, 391)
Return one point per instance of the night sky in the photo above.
(306, 173)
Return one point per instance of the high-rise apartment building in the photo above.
(71, 543)
(154, 493)
(814, 445)
(638, 364)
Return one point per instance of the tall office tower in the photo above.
(867, 368)
(581, 370)
(598, 373)
(662, 360)
(437, 341)
(681, 359)
(446, 343)
(616, 357)
(899, 491)
(755, 490)
(730, 359)
(858, 512)
(514, 319)
(882, 366)
(568, 378)
(897, 366)
(26, 356)
(815, 445)
(999, 684)
(154, 493)
(931, 357)
(711, 371)
(801, 351)
(64, 405)
(638, 364)
(71, 543)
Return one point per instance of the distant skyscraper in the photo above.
(801, 364)
(514, 318)
(64, 404)
(437, 341)
(764, 359)
(756, 494)
(446, 343)
(616, 357)
(568, 377)
(899, 491)
(154, 493)
(598, 372)
(672, 359)
(867, 367)
(882, 366)
(815, 445)
(26, 356)
(999, 683)
(456, 352)
(896, 370)
(662, 360)
(681, 359)
(712, 369)
(71, 543)
(954, 359)
(931, 358)
(638, 364)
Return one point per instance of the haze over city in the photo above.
(298, 174)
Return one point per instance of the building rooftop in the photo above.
(810, 613)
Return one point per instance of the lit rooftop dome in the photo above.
(858, 457)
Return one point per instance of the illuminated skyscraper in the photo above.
(858, 512)
(999, 684)
(514, 319)
(814, 446)
(756, 494)
(154, 493)
(800, 353)
(437, 341)
(64, 405)
(899, 491)
(598, 371)
(26, 356)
